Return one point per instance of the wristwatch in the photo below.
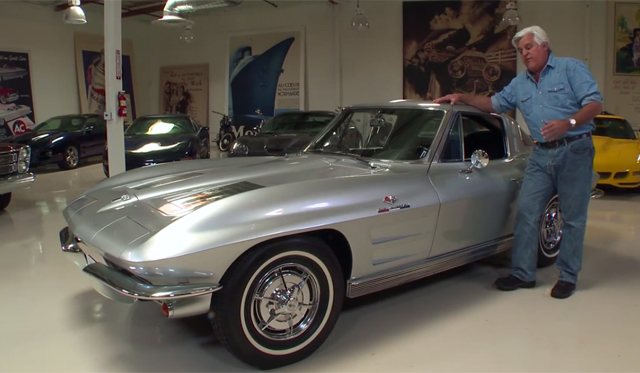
(573, 122)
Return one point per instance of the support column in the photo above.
(113, 84)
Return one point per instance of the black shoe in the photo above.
(563, 289)
(512, 283)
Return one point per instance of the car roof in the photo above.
(606, 114)
(417, 104)
(311, 112)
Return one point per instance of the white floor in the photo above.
(52, 320)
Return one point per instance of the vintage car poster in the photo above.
(456, 47)
(627, 39)
(90, 68)
(266, 73)
(185, 90)
(16, 101)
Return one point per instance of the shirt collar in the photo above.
(551, 63)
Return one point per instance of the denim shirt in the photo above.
(565, 86)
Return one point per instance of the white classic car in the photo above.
(271, 246)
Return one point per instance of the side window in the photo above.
(473, 132)
(91, 122)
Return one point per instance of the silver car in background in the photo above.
(270, 246)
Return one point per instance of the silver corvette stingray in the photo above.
(269, 247)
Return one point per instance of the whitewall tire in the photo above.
(279, 302)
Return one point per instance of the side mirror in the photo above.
(479, 159)
(88, 129)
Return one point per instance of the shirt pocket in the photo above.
(559, 95)
(526, 103)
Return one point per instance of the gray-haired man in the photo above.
(558, 99)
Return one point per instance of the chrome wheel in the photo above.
(71, 157)
(550, 233)
(285, 302)
(280, 303)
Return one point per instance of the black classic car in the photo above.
(162, 138)
(64, 140)
(288, 132)
(14, 171)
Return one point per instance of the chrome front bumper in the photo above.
(125, 288)
(16, 182)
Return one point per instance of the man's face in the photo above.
(534, 55)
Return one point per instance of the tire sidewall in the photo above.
(248, 342)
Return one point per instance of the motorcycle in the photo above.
(225, 135)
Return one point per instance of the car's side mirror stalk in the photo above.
(479, 159)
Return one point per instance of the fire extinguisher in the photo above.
(122, 105)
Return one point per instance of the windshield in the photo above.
(160, 126)
(297, 122)
(613, 127)
(60, 124)
(391, 134)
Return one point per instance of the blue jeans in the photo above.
(565, 171)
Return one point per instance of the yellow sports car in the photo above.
(617, 157)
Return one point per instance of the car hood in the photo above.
(168, 142)
(28, 137)
(616, 150)
(8, 147)
(133, 208)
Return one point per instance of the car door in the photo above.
(90, 137)
(477, 205)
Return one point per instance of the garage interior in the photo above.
(53, 320)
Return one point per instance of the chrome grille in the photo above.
(8, 163)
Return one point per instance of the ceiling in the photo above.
(153, 8)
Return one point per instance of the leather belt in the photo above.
(563, 141)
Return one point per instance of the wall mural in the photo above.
(90, 68)
(627, 39)
(456, 47)
(16, 101)
(185, 90)
(265, 77)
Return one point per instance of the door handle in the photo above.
(518, 180)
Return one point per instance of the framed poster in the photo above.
(16, 100)
(185, 90)
(90, 68)
(456, 47)
(266, 73)
(627, 39)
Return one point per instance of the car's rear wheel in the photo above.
(71, 158)
(550, 233)
(279, 302)
(5, 199)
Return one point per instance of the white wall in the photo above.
(50, 43)
(369, 62)
(343, 66)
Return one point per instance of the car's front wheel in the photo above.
(279, 302)
(550, 233)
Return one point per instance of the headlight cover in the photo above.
(239, 148)
(24, 159)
